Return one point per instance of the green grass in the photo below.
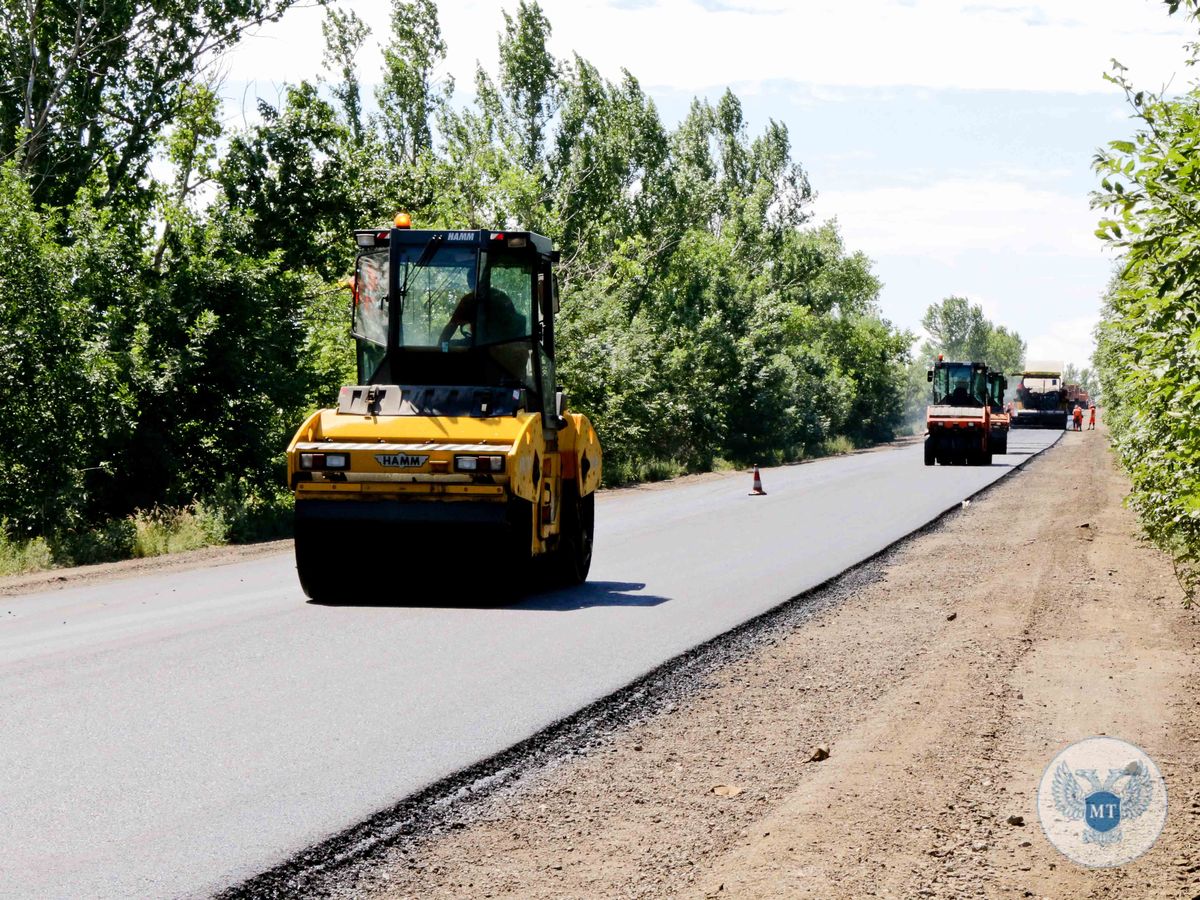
(836, 446)
(154, 532)
(19, 557)
(642, 471)
(163, 531)
(660, 470)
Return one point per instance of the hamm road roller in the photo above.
(454, 455)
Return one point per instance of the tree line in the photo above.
(1148, 340)
(172, 291)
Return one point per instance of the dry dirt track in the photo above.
(939, 730)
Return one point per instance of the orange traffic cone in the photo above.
(758, 490)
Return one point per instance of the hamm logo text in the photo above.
(400, 460)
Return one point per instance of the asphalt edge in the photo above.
(336, 865)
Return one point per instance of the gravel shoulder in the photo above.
(942, 687)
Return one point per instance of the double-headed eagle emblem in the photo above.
(1103, 805)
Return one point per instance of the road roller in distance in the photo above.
(958, 418)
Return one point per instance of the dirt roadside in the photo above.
(1027, 621)
(78, 576)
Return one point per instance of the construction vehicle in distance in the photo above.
(958, 421)
(1040, 400)
(1000, 419)
(1077, 396)
(455, 446)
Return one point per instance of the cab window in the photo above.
(510, 314)
(370, 319)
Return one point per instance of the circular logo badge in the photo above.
(1102, 802)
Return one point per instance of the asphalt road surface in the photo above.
(174, 734)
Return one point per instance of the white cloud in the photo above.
(1068, 339)
(693, 45)
(947, 218)
(992, 308)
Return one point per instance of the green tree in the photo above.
(43, 371)
(191, 148)
(1089, 382)
(958, 330)
(345, 33)
(215, 361)
(608, 167)
(513, 113)
(86, 87)
(473, 178)
(529, 81)
(864, 350)
(1005, 350)
(291, 174)
(410, 93)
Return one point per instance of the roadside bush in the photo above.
(625, 472)
(162, 531)
(109, 542)
(836, 446)
(1148, 352)
(42, 385)
(154, 532)
(19, 557)
(254, 515)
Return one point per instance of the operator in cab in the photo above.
(492, 321)
(960, 396)
(495, 323)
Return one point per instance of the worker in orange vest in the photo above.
(1092, 418)
(1078, 417)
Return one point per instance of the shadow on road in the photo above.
(478, 593)
(592, 593)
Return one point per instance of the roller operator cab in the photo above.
(454, 454)
(1001, 420)
(959, 417)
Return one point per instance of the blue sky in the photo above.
(951, 139)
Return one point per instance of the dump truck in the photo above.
(1077, 395)
(1000, 419)
(958, 419)
(1040, 400)
(454, 453)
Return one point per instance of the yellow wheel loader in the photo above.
(454, 455)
